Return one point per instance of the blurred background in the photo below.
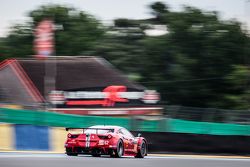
(178, 70)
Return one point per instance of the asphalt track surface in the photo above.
(61, 160)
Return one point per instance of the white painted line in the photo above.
(163, 156)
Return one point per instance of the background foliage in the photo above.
(201, 61)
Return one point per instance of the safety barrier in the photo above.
(183, 126)
(165, 142)
(6, 137)
(39, 130)
(32, 137)
(42, 118)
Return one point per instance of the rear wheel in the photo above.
(71, 154)
(142, 151)
(119, 150)
(96, 155)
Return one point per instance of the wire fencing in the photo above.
(208, 114)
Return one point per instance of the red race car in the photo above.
(100, 140)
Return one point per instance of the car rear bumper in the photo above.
(90, 150)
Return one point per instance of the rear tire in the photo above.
(143, 150)
(119, 150)
(72, 154)
(96, 155)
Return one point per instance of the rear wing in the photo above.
(110, 129)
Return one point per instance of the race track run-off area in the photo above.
(61, 160)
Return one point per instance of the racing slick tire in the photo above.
(143, 150)
(71, 154)
(95, 155)
(119, 150)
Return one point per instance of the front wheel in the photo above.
(119, 150)
(143, 150)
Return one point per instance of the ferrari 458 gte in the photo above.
(115, 141)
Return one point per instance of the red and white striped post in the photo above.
(44, 47)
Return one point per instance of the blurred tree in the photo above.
(19, 41)
(239, 81)
(79, 30)
(3, 49)
(159, 9)
(121, 45)
(195, 58)
(202, 61)
(76, 35)
(122, 22)
(189, 65)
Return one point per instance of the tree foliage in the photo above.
(76, 34)
(191, 64)
(201, 61)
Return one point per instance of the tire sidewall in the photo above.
(119, 149)
(145, 149)
(139, 153)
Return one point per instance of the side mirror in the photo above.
(139, 135)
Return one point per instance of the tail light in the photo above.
(109, 136)
(72, 136)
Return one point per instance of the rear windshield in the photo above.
(98, 131)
